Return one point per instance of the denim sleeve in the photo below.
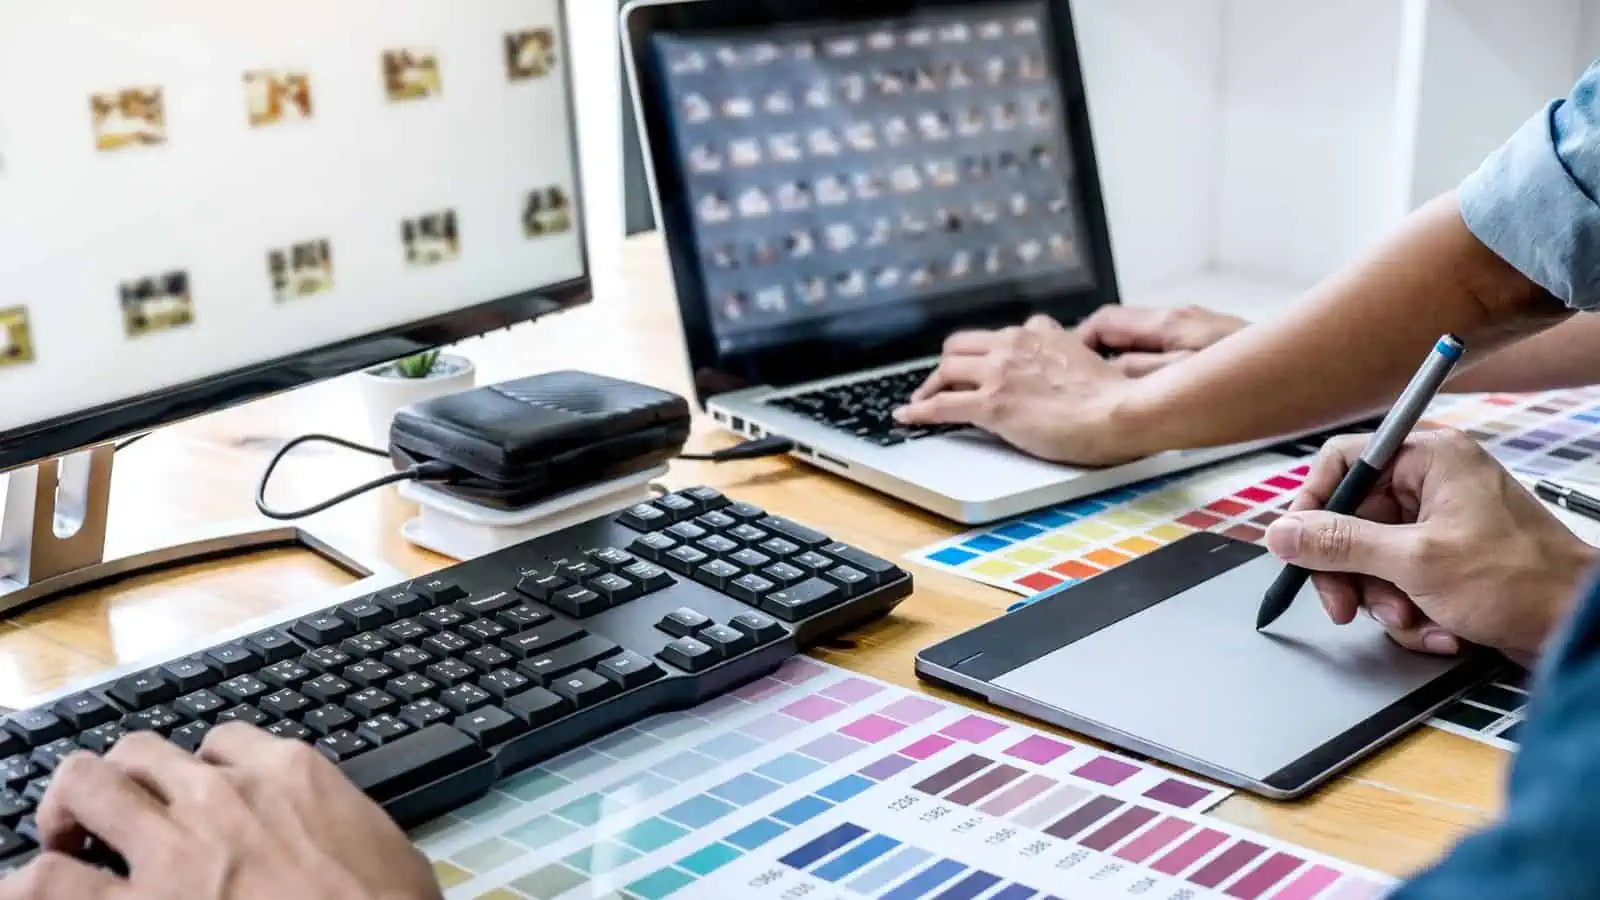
(1533, 201)
(1547, 844)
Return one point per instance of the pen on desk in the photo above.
(1379, 453)
(1568, 499)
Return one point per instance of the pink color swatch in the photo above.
(1314, 881)
(1016, 795)
(760, 689)
(872, 729)
(927, 747)
(1178, 793)
(973, 729)
(1153, 841)
(799, 670)
(1189, 852)
(1263, 877)
(812, 709)
(1285, 483)
(852, 690)
(1107, 771)
(1039, 750)
(1256, 495)
(911, 710)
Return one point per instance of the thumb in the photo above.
(1327, 542)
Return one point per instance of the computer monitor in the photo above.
(204, 203)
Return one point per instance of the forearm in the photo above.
(1566, 356)
(1349, 346)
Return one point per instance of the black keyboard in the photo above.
(865, 409)
(427, 693)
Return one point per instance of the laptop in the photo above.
(842, 184)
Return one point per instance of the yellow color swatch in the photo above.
(1030, 556)
(1169, 533)
(1162, 505)
(995, 568)
(1094, 531)
(1126, 518)
(1063, 543)
(1139, 546)
(450, 876)
(502, 894)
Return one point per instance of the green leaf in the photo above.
(418, 366)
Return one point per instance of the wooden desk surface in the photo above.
(1395, 813)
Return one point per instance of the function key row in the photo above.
(701, 643)
(582, 589)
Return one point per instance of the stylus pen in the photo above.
(1380, 452)
(1568, 499)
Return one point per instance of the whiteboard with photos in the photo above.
(190, 186)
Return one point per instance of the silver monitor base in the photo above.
(53, 535)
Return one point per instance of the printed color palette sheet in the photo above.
(816, 776)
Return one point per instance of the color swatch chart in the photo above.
(701, 803)
(1552, 435)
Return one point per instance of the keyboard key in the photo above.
(438, 593)
(813, 562)
(327, 659)
(245, 713)
(649, 576)
(405, 631)
(800, 534)
(689, 654)
(490, 726)
(274, 646)
(443, 619)
(419, 758)
(16, 770)
(368, 673)
(50, 755)
(35, 792)
(579, 572)
(579, 654)
(652, 546)
(327, 688)
(761, 627)
(366, 614)
(36, 726)
(190, 674)
(542, 587)
(285, 704)
(483, 631)
(678, 507)
(521, 618)
(450, 672)
(726, 640)
(464, 698)
(85, 711)
(141, 689)
(744, 512)
(13, 806)
(803, 600)
(780, 547)
(717, 545)
(370, 702)
(322, 629)
(407, 659)
(13, 844)
(242, 689)
(784, 574)
(614, 589)
(687, 531)
(644, 517)
(412, 687)
(684, 560)
(542, 639)
(503, 683)
(157, 718)
(402, 603)
(285, 673)
(707, 498)
(446, 643)
(101, 738)
(579, 602)
(683, 622)
(751, 588)
(716, 521)
(383, 729)
(749, 534)
(612, 559)
(537, 707)
(880, 571)
(486, 604)
(629, 670)
(584, 688)
(289, 729)
(325, 720)
(199, 705)
(851, 580)
(717, 573)
(487, 659)
(342, 745)
(751, 559)
(368, 643)
(189, 737)
(423, 713)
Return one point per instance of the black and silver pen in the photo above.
(1380, 452)
(1568, 499)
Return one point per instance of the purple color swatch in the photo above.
(973, 729)
(812, 709)
(830, 748)
(853, 690)
(1177, 793)
(872, 729)
(1107, 771)
(888, 767)
(1040, 750)
(911, 710)
(927, 747)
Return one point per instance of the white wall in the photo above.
(597, 92)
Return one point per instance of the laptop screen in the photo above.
(859, 179)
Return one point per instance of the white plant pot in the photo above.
(386, 392)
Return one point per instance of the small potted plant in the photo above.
(393, 386)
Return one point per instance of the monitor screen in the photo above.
(191, 190)
(841, 168)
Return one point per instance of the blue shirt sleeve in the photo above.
(1547, 844)
(1533, 201)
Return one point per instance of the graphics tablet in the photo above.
(1161, 658)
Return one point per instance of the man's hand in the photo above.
(1148, 340)
(1448, 548)
(1038, 387)
(252, 817)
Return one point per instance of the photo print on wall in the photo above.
(156, 303)
(16, 337)
(132, 117)
(411, 74)
(547, 212)
(530, 54)
(302, 270)
(275, 97)
(431, 239)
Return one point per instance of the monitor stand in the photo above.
(53, 535)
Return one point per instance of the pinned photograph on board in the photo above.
(1024, 26)
(1042, 156)
(971, 121)
(942, 172)
(862, 136)
(818, 95)
(1033, 68)
(840, 237)
(132, 117)
(886, 278)
(531, 54)
(1062, 249)
(411, 74)
(764, 53)
(961, 264)
(921, 275)
(1007, 115)
(1041, 111)
(431, 239)
(303, 270)
(924, 80)
(890, 83)
(955, 33)
(906, 179)
(881, 232)
(275, 97)
(881, 40)
(935, 125)
(547, 211)
(738, 108)
(853, 88)
(897, 131)
(156, 303)
(16, 337)
(869, 185)
(994, 70)
(843, 47)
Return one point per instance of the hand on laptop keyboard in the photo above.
(251, 817)
(866, 408)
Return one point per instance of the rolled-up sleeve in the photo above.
(1533, 201)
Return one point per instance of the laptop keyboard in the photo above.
(865, 409)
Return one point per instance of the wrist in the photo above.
(1139, 415)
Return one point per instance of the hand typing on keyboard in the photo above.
(250, 816)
